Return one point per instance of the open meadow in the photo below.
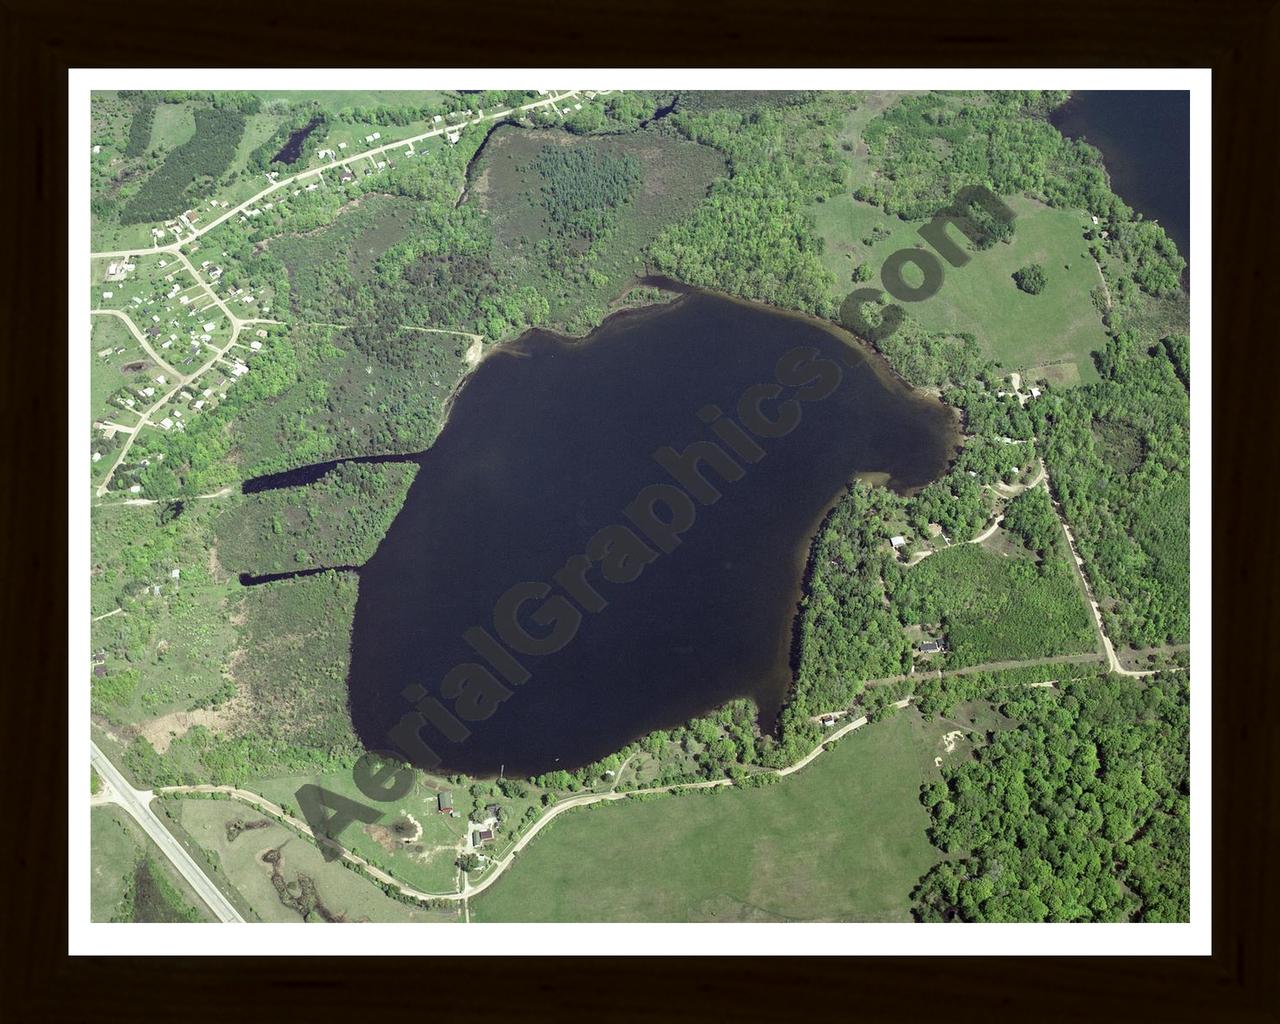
(841, 840)
(131, 880)
(282, 876)
(1050, 335)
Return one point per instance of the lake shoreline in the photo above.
(555, 405)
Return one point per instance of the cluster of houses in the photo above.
(484, 830)
(117, 270)
(199, 336)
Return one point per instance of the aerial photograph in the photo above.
(614, 505)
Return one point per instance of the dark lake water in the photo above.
(547, 445)
(1145, 139)
(292, 147)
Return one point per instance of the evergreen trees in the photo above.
(188, 171)
(584, 187)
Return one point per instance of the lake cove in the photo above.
(1144, 138)
(609, 535)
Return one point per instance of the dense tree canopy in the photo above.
(1030, 278)
(1080, 813)
(190, 169)
(1119, 456)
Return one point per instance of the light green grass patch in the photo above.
(841, 840)
(334, 100)
(427, 863)
(174, 124)
(125, 368)
(1059, 326)
(310, 882)
(257, 129)
(124, 888)
(997, 607)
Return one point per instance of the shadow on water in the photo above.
(556, 451)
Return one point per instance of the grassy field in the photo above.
(311, 888)
(334, 100)
(842, 840)
(125, 365)
(131, 880)
(994, 606)
(174, 124)
(1053, 332)
(257, 129)
(427, 863)
(869, 106)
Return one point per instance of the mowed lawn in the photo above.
(1054, 332)
(841, 840)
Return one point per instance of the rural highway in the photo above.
(368, 154)
(138, 804)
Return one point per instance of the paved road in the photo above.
(176, 246)
(138, 804)
(138, 336)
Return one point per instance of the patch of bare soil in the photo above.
(162, 731)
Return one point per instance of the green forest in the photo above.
(382, 282)
(189, 171)
(1119, 452)
(1080, 813)
(584, 188)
